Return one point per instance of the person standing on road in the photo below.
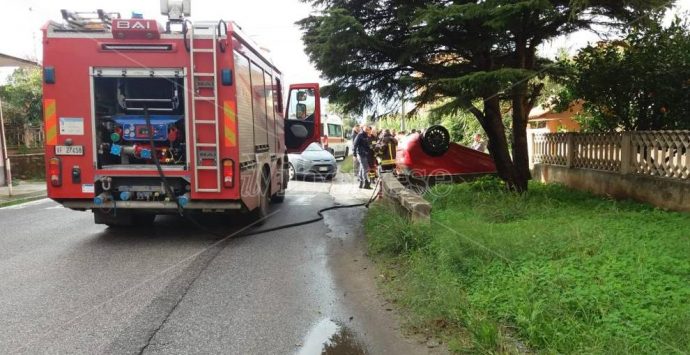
(355, 132)
(355, 162)
(362, 148)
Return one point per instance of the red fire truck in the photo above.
(144, 119)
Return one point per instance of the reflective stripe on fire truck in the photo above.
(229, 119)
(50, 117)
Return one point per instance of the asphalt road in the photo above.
(69, 286)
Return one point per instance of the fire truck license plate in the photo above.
(69, 150)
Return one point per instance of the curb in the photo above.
(15, 200)
(407, 203)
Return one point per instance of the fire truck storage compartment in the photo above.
(123, 140)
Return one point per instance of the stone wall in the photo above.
(406, 202)
(664, 193)
(28, 166)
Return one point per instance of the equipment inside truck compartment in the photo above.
(123, 135)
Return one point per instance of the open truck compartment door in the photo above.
(128, 103)
(303, 117)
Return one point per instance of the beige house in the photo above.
(547, 120)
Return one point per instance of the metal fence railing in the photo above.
(27, 136)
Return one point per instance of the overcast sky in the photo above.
(269, 22)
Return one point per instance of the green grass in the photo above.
(555, 271)
(346, 166)
(17, 182)
(21, 200)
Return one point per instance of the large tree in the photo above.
(641, 82)
(468, 51)
(21, 97)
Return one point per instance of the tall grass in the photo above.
(560, 270)
(346, 166)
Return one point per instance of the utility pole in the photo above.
(8, 169)
(402, 110)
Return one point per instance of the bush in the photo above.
(638, 83)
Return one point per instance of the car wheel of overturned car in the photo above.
(435, 140)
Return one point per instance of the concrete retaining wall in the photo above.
(405, 202)
(663, 193)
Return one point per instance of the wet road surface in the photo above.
(69, 286)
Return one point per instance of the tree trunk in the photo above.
(521, 108)
(492, 123)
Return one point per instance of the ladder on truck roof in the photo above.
(205, 100)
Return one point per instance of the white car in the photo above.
(313, 161)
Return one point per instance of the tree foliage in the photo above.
(393, 121)
(21, 97)
(639, 83)
(464, 51)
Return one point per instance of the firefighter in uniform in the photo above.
(385, 151)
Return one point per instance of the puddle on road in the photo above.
(330, 338)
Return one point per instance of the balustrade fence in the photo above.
(663, 154)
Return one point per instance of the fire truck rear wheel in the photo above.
(279, 197)
(261, 212)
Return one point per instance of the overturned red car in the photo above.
(430, 156)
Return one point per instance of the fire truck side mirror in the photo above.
(301, 110)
